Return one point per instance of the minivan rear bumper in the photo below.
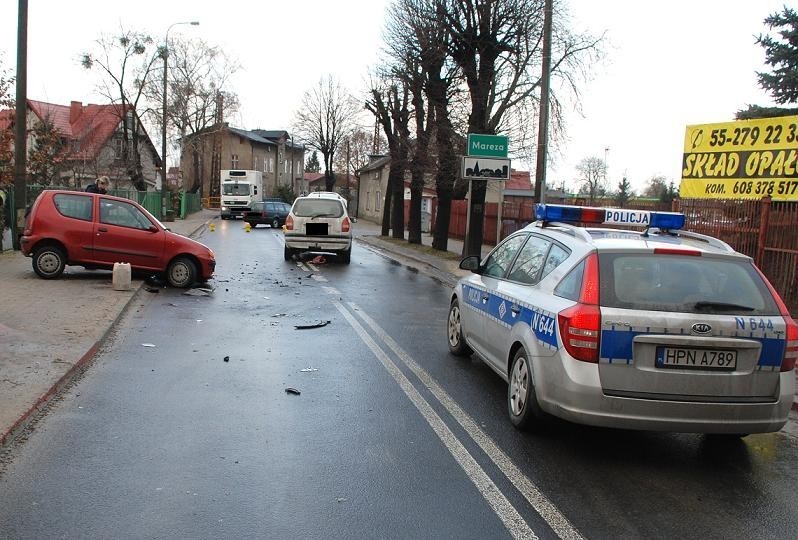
(322, 243)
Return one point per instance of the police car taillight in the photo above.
(289, 223)
(580, 325)
(345, 225)
(609, 216)
(791, 353)
(791, 350)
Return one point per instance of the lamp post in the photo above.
(164, 191)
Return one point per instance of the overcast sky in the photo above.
(668, 64)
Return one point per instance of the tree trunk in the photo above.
(416, 195)
(386, 210)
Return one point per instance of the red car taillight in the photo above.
(345, 224)
(289, 223)
(580, 325)
(791, 350)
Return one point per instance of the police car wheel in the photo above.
(522, 402)
(288, 253)
(454, 332)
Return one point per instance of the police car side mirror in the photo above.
(470, 263)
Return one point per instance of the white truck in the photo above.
(239, 189)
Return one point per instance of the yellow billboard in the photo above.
(746, 159)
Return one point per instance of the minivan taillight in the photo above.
(580, 324)
(289, 223)
(345, 224)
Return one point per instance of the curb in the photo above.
(55, 390)
(442, 275)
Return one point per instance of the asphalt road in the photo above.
(183, 428)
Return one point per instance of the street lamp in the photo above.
(165, 52)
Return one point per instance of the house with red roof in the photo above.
(92, 142)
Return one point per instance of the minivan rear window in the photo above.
(687, 284)
(318, 208)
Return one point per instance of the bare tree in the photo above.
(327, 115)
(127, 60)
(417, 41)
(389, 104)
(593, 177)
(6, 135)
(498, 47)
(356, 149)
(199, 76)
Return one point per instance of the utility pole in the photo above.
(543, 127)
(20, 120)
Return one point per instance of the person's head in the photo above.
(102, 183)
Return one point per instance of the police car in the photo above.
(655, 328)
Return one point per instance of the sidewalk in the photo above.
(51, 330)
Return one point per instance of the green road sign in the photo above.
(487, 145)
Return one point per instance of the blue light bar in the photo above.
(607, 216)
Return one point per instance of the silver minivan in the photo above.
(319, 223)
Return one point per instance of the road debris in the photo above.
(148, 345)
(226, 358)
(293, 391)
(310, 326)
(151, 289)
(198, 292)
(309, 369)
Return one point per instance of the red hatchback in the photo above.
(96, 231)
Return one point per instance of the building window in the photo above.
(298, 168)
(377, 202)
(271, 164)
(118, 148)
(285, 167)
(264, 165)
(368, 201)
(234, 161)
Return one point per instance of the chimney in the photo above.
(75, 108)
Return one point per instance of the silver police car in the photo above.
(655, 328)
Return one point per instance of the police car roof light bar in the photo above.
(609, 216)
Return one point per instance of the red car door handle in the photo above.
(102, 229)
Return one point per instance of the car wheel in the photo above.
(276, 223)
(346, 256)
(522, 402)
(182, 272)
(454, 331)
(288, 253)
(49, 262)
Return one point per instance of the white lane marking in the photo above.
(331, 290)
(319, 277)
(313, 266)
(512, 520)
(302, 266)
(558, 522)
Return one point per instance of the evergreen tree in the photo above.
(312, 164)
(625, 192)
(782, 55)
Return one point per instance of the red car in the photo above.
(96, 231)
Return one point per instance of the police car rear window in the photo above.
(664, 282)
(318, 208)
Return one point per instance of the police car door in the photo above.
(520, 309)
(483, 300)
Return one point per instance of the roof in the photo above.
(271, 133)
(89, 125)
(518, 180)
(311, 177)
(252, 136)
(375, 163)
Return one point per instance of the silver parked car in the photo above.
(654, 329)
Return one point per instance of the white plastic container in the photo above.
(121, 279)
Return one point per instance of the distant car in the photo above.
(267, 213)
(655, 329)
(319, 223)
(95, 231)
